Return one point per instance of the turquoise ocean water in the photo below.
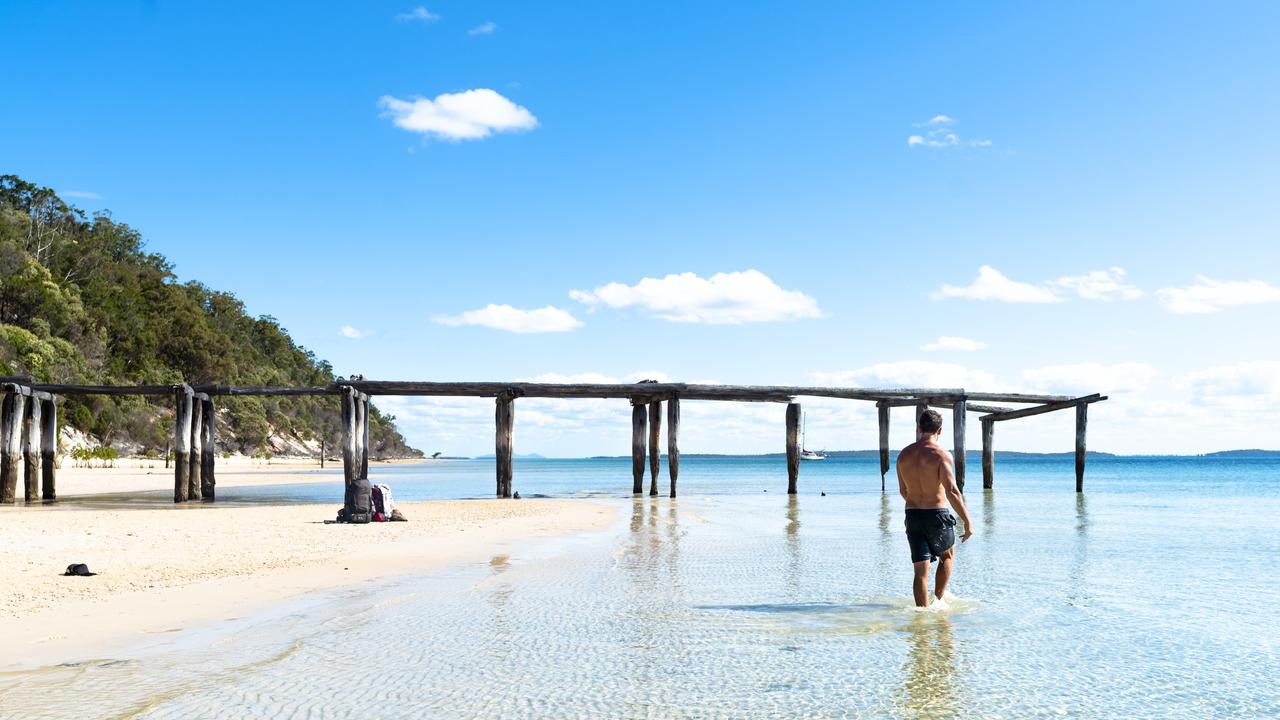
(1150, 596)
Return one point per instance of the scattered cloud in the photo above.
(991, 284)
(1099, 285)
(1243, 386)
(510, 319)
(723, 299)
(948, 342)
(483, 29)
(1207, 295)
(418, 14)
(938, 132)
(468, 115)
(82, 194)
(354, 333)
(1086, 378)
(911, 373)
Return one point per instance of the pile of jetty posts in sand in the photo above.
(29, 426)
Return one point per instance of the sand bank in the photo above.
(166, 568)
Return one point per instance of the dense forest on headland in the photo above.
(83, 301)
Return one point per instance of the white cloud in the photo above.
(723, 299)
(505, 317)
(1087, 378)
(418, 14)
(938, 134)
(1100, 285)
(83, 194)
(1244, 386)
(948, 342)
(911, 374)
(1209, 296)
(354, 333)
(469, 115)
(991, 284)
(483, 29)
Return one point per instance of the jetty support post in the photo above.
(364, 436)
(49, 449)
(208, 449)
(639, 417)
(988, 454)
(11, 445)
(31, 427)
(655, 449)
(194, 486)
(348, 435)
(1082, 421)
(504, 419)
(673, 441)
(182, 401)
(882, 418)
(793, 446)
(920, 408)
(957, 436)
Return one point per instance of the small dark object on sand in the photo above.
(516, 496)
(79, 570)
(397, 516)
(824, 493)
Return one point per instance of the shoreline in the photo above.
(170, 569)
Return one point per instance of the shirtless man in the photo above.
(927, 482)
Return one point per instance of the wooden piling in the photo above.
(957, 436)
(11, 446)
(882, 417)
(504, 417)
(182, 400)
(1082, 421)
(673, 441)
(920, 408)
(194, 487)
(31, 427)
(793, 446)
(208, 450)
(655, 450)
(348, 435)
(988, 454)
(639, 417)
(49, 450)
(364, 436)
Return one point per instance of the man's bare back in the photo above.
(927, 482)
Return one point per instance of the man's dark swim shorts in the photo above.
(930, 533)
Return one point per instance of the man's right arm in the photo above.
(947, 470)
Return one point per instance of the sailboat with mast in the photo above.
(807, 454)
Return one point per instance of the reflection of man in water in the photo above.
(927, 481)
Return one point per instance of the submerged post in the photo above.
(49, 449)
(988, 453)
(882, 417)
(31, 428)
(504, 418)
(11, 451)
(182, 398)
(655, 451)
(194, 487)
(208, 450)
(673, 446)
(638, 420)
(957, 435)
(1082, 420)
(793, 446)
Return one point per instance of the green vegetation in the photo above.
(82, 301)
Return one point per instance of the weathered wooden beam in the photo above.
(10, 445)
(958, 421)
(645, 391)
(972, 407)
(1082, 422)
(182, 401)
(208, 448)
(232, 390)
(49, 450)
(639, 418)
(673, 441)
(31, 427)
(988, 454)
(1016, 397)
(1050, 407)
(24, 390)
(793, 446)
(655, 449)
(882, 421)
(504, 420)
(107, 389)
(195, 489)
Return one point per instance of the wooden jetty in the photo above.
(29, 433)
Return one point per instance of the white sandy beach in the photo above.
(165, 568)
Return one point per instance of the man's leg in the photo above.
(944, 572)
(920, 586)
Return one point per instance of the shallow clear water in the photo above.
(1149, 596)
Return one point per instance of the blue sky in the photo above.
(396, 168)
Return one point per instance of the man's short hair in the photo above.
(930, 422)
